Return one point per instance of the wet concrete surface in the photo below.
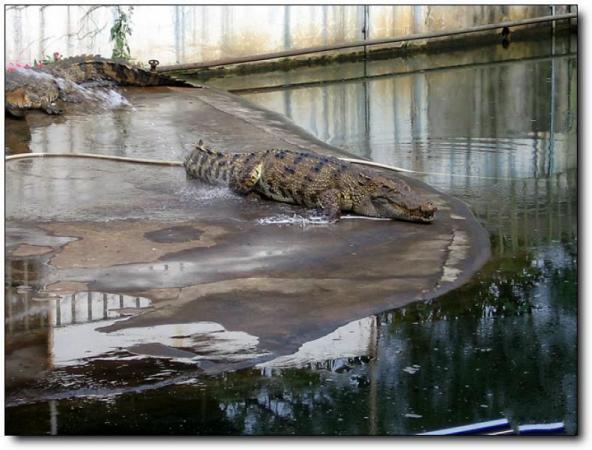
(231, 282)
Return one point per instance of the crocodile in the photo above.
(48, 88)
(304, 178)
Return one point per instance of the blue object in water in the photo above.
(542, 428)
(474, 428)
(499, 427)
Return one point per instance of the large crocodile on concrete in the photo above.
(310, 180)
(47, 88)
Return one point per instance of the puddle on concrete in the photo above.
(75, 341)
(180, 233)
(48, 333)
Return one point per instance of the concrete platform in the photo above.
(201, 254)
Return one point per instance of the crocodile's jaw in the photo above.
(397, 206)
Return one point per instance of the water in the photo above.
(494, 127)
(499, 131)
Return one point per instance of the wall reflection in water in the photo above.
(90, 306)
(41, 326)
(70, 328)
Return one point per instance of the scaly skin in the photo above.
(47, 88)
(85, 69)
(310, 180)
(28, 89)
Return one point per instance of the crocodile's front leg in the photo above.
(246, 178)
(330, 205)
(52, 108)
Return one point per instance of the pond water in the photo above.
(494, 127)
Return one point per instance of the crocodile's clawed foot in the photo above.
(326, 216)
(53, 109)
(329, 205)
(253, 197)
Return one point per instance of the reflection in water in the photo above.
(72, 328)
(502, 137)
(503, 345)
(355, 339)
(191, 342)
(136, 131)
(83, 307)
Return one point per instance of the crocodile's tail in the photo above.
(210, 166)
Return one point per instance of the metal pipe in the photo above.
(326, 48)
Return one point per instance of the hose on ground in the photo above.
(162, 162)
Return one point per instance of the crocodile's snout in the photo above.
(427, 210)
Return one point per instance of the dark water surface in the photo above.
(494, 127)
(502, 137)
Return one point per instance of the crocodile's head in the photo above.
(17, 101)
(395, 200)
(27, 89)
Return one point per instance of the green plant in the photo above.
(48, 60)
(120, 31)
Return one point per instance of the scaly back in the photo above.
(216, 167)
(86, 68)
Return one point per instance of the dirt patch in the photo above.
(124, 242)
(24, 250)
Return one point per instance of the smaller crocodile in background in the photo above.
(311, 180)
(49, 87)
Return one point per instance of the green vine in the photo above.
(120, 31)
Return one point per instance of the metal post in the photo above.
(287, 37)
(26, 298)
(551, 145)
(365, 31)
(53, 417)
(73, 308)
(58, 311)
